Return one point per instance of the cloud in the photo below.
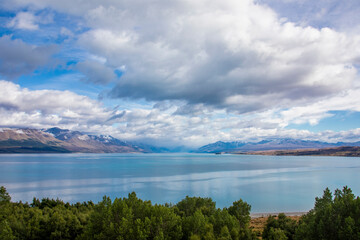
(96, 72)
(66, 32)
(29, 21)
(18, 58)
(24, 20)
(235, 55)
(231, 55)
(314, 112)
(20, 107)
(191, 110)
(330, 13)
(117, 116)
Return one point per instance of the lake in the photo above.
(267, 183)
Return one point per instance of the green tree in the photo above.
(241, 211)
(276, 234)
(4, 195)
(190, 205)
(194, 225)
(224, 234)
(333, 217)
(5, 231)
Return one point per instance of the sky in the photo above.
(183, 72)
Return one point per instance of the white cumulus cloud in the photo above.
(21, 107)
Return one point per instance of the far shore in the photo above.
(345, 151)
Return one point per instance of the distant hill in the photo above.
(347, 151)
(56, 140)
(271, 144)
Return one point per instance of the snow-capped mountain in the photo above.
(61, 140)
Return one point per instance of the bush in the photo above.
(281, 227)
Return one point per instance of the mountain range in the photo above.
(56, 140)
(270, 144)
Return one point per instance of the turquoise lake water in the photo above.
(267, 183)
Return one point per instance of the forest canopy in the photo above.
(334, 216)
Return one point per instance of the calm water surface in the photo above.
(268, 183)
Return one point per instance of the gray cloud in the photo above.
(18, 58)
(96, 72)
(8, 106)
(117, 116)
(191, 110)
(163, 105)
